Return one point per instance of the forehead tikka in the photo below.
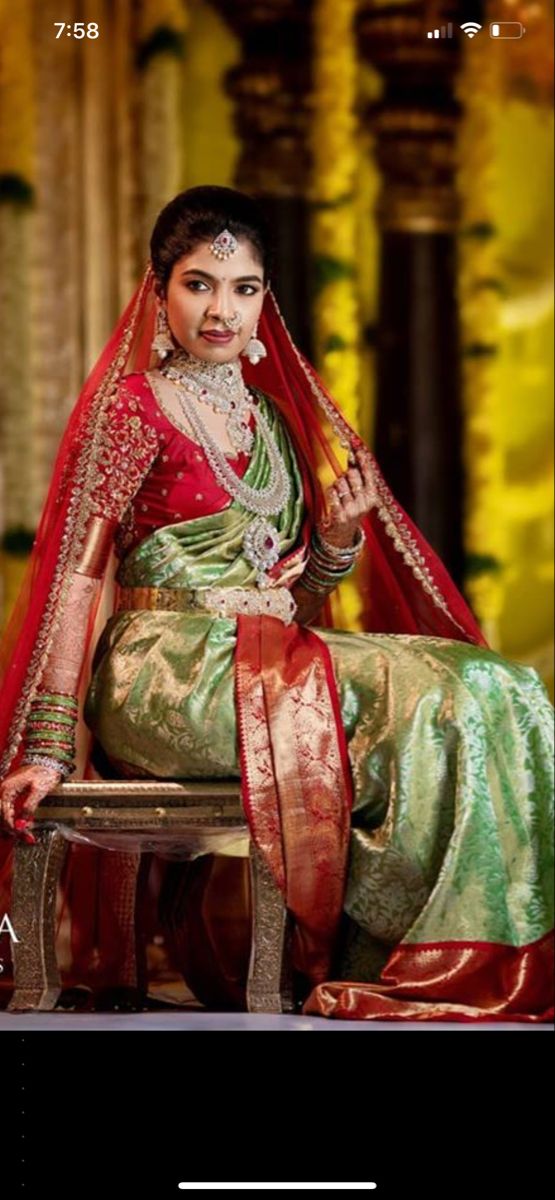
(224, 245)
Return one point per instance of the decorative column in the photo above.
(160, 64)
(418, 432)
(17, 197)
(271, 88)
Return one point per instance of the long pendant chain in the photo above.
(265, 502)
(260, 541)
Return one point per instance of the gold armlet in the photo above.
(96, 550)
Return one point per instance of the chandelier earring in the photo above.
(162, 343)
(255, 349)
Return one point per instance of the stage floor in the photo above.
(206, 1022)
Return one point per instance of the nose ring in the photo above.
(234, 323)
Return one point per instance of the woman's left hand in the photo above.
(350, 497)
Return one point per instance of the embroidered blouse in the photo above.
(150, 473)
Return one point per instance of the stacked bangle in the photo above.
(50, 731)
(328, 565)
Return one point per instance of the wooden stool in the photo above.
(182, 810)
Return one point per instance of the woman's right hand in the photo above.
(21, 793)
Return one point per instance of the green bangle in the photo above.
(62, 698)
(48, 714)
(316, 582)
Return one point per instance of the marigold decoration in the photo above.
(160, 60)
(524, 207)
(16, 100)
(529, 59)
(479, 287)
(16, 199)
(158, 16)
(15, 547)
(333, 145)
(506, 294)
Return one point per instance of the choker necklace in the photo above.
(195, 377)
(219, 385)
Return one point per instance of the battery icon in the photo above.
(506, 29)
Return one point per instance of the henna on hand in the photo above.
(350, 496)
(21, 793)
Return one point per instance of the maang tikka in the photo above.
(223, 246)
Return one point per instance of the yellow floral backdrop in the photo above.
(150, 115)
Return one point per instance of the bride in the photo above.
(397, 781)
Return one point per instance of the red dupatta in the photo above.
(410, 591)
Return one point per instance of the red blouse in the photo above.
(149, 473)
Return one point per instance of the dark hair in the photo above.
(199, 215)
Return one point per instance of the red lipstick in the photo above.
(219, 339)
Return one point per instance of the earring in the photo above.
(162, 343)
(255, 349)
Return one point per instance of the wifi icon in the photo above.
(471, 28)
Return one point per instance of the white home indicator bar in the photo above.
(276, 1187)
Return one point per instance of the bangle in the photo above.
(318, 578)
(328, 565)
(314, 581)
(42, 760)
(50, 730)
(342, 552)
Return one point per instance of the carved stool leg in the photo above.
(270, 983)
(36, 873)
(118, 883)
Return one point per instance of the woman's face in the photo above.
(203, 292)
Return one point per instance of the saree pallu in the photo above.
(449, 897)
(443, 750)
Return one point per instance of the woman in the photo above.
(396, 781)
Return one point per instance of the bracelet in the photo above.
(42, 760)
(341, 552)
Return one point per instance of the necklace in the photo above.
(260, 542)
(219, 385)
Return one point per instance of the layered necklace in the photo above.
(221, 386)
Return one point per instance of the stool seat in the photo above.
(155, 813)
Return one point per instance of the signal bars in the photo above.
(441, 32)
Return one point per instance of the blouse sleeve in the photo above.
(127, 451)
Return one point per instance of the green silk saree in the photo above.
(447, 902)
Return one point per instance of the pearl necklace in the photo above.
(260, 542)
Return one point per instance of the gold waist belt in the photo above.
(223, 601)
